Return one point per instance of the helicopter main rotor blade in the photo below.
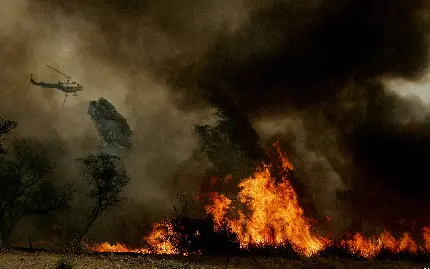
(59, 72)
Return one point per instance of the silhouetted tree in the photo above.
(5, 127)
(107, 178)
(26, 188)
(232, 146)
(231, 142)
(184, 205)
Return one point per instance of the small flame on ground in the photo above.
(159, 242)
(118, 247)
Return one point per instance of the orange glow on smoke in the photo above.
(275, 216)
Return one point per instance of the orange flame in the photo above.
(159, 242)
(218, 208)
(160, 239)
(426, 235)
(272, 217)
(369, 248)
(118, 247)
(275, 216)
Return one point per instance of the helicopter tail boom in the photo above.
(45, 85)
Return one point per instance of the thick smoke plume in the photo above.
(163, 64)
(326, 63)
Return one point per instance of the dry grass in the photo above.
(46, 260)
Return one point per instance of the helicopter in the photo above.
(66, 87)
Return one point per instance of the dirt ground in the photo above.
(46, 260)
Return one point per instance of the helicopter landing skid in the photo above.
(65, 97)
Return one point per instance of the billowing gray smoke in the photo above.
(326, 63)
(111, 125)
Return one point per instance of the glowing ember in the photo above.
(275, 217)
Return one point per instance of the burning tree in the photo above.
(107, 178)
(273, 216)
(227, 150)
(26, 185)
(224, 144)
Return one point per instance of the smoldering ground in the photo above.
(164, 63)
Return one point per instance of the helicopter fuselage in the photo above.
(66, 87)
(70, 87)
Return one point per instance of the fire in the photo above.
(275, 216)
(160, 240)
(359, 245)
(118, 247)
(266, 212)
(426, 235)
(218, 208)
(369, 248)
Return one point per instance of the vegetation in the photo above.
(229, 153)
(27, 188)
(107, 178)
(224, 144)
(5, 127)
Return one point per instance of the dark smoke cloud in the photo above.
(326, 62)
(289, 54)
(112, 50)
(320, 62)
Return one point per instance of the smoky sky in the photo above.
(330, 59)
(290, 54)
(327, 62)
(164, 64)
(109, 64)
